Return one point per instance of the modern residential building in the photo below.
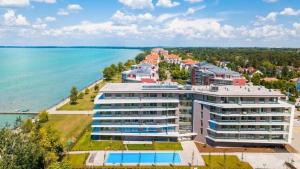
(205, 73)
(142, 73)
(217, 115)
(136, 111)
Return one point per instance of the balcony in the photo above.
(137, 100)
(247, 131)
(232, 114)
(249, 122)
(133, 116)
(135, 108)
(247, 140)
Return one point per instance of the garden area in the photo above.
(85, 143)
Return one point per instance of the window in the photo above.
(261, 100)
(118, 95)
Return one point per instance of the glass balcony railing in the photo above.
(132, 107)
(131, 123)
(132, 115)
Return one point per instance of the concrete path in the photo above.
(190, 153)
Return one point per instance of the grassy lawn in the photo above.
(156, 146)
(87, 102)
(230, 162)
(140, 147)
(69, 126)
(167, 146)
(85, 143)
(76, 160)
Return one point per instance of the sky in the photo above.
(204, 23)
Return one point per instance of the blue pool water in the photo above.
(150, 158)
(36, 78)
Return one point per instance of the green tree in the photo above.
(140, 57)
(43, 117)
(87, 91)
(255, 79)
(162, 74)
(120, 67)
(96, 88)
(80, 96)
(27, 126)
(108, 73)
(284, 72)
(129, 63)
(50, 142)
(73, 95)
(18, 151)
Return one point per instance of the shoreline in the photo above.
(53, 109)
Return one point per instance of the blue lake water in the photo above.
(36, 78)
(149, 158)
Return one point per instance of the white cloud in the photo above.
(39, 26)
(22, 3)
(193, 10)
(137, 4)
(271, 17)
(268, 31)
(74, 7)
(14, 3)
(121, 17)
(270, 1)
(50, 19)
(167, 16)
(11, 19)
(198, 28)
(193, 1)
(88, 28)
(167, 3)
(62, 12)
(290, 12)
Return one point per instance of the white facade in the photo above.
(210, 114)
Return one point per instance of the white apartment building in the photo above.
(217, 115)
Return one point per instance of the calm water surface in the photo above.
(36, 78)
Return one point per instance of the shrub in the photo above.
(43, 117)
(81, 95)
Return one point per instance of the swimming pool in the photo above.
(137, 158)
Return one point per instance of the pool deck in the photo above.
(189, 155)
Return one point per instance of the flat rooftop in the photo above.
(232, 90)
(228, 90)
